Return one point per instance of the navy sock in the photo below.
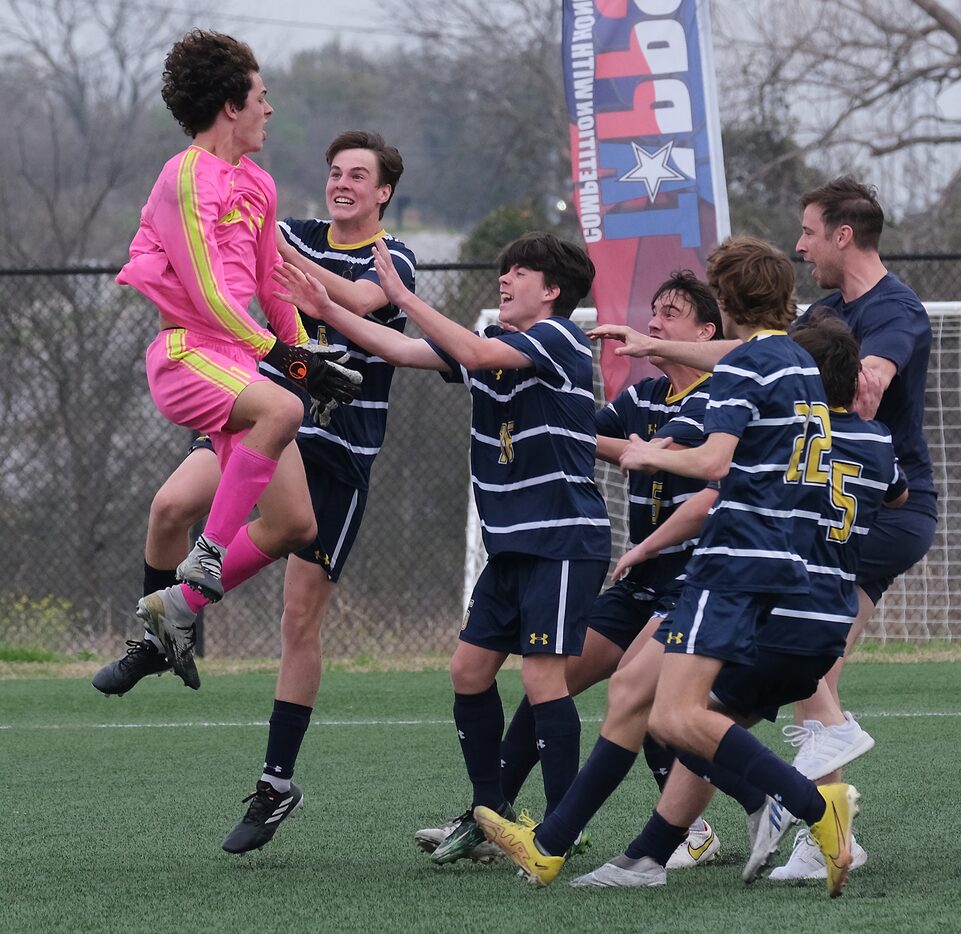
(659, 760)
(605, 769)
(749, 796)
(518, 750)
(155, 579)
(756, 764)
(479, 719)
(288, 724)
(658, 840)
(558, 730)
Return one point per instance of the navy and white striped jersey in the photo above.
(347, 446)
(844, 483)
(533, 445)
(652, 409)
(767, 393)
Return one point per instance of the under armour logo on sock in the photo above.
(461, 735)
(541, 744)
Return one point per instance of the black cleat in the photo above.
(142, 659)
(268, 809)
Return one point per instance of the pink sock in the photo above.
(244, 478)
(242, 561)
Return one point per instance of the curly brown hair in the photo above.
(753, 282)
(202, 72)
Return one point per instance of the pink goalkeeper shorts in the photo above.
(195, 382)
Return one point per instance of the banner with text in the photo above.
(646, 156)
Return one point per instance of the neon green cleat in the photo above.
(832, 833)
(517, 842)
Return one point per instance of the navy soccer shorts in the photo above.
(339, 509)
(528, 605)
(771, 681)
(715, 623)
(622, 611)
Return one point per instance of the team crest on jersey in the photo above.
(507, 443)
(470, 604)
(539, 639)
(322, 335)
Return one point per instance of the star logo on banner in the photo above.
(652, 169)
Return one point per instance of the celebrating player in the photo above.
(532, 463)
(205, 246)
(670, 406)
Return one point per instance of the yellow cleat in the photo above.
(517, 842)
(832, 832)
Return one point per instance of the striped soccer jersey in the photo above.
(206, 245)
(845, 480)
(651, 409)
(768, 393)
(347, 446)
(533, 445)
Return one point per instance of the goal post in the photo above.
(923, 604)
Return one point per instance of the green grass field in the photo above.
(114, 811)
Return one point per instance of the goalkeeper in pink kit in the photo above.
(206, 246)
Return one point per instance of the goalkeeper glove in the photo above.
(313, 369)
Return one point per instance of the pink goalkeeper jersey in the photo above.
(206, 245)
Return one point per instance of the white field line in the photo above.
(216, 724)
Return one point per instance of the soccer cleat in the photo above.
(700, 848)
(166, 614)
(766, 826)
(142, 659)
(624, 872)
(516, 841)
(268, 809)
(466, 841)
(201, 570)
(832, 833)
(430, 838)
(807, 862)
(825, 749)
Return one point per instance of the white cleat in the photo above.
(623, 872)
(766, 826)
(825, 749)
(807, 861)
(700, 848)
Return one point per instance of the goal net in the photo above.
(921, 605)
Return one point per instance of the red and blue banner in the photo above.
(646, 157)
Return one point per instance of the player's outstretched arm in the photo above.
(701, 355)
(684, 524)
(361, 297)
(709, 461)
(466, 347)
(310, 296)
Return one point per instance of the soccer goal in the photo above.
(922, 605)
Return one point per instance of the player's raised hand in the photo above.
(304, 291)
(391, 283)
(869, 392)
(634, 343)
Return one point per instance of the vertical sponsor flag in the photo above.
(646, 155)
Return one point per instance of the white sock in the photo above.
(697, 826)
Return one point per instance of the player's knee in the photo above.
(301, 626)
(665, 725)
(466, 678)
(301, 530)
(171, 515)
(623, 696)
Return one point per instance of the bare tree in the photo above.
(871, 77)
(79, 78)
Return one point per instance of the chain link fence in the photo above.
(83, 450)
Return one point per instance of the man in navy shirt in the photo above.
(543, 519)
